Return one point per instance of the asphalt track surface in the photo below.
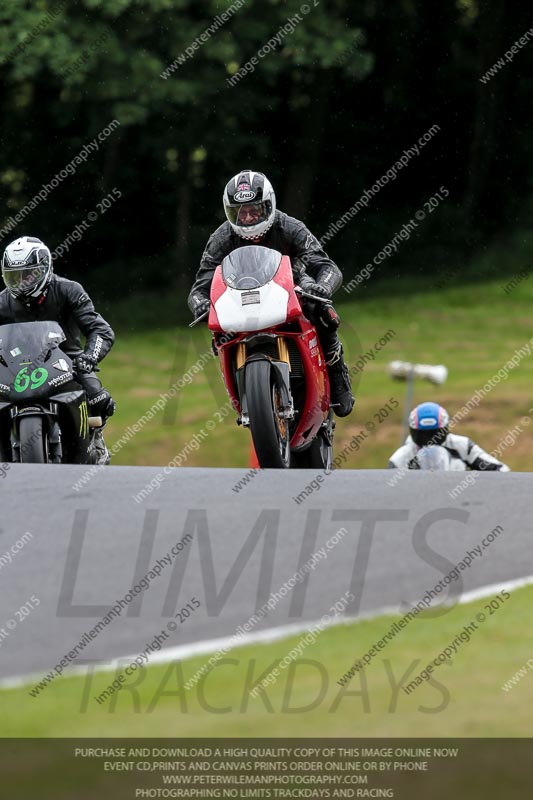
(89, 547)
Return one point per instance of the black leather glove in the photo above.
(201, 305)
(318, 289)
(83, 365)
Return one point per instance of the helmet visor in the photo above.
(425, 437)
(245, 215)
(21, 281)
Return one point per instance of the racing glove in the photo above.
(200, 305)
(318, 289)
(83, 364)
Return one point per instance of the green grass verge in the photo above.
(464, 698)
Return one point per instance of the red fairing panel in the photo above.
(225, 357)
(317, 393)
(218, 287)
(283, 277)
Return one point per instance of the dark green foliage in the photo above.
(348, 87)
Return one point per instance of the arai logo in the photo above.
(428, 422)
(245, 195)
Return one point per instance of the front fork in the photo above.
(282, 367)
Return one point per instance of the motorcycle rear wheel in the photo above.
(319, 455)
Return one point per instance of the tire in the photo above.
(6, 454)
(319, 455)
(270, 432)
(312, 458)
(33, 440)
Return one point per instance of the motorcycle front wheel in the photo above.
(270, 430)
(33, 440)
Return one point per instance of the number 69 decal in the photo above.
(36, 379)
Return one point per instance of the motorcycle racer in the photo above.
(252, 218)
(429, 425)
(33, 292)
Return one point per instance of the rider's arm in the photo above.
(99, 335)
(477, 458)
(216, 249)
(307, 249)
(401, 457)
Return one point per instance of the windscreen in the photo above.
(250, 267)
(433, 458)
(30, 339)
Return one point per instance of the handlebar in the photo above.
(299, 290)
(198, 319)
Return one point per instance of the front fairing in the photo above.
(252, 291)
(435, 458)
(32, 366)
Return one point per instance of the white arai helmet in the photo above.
(250, 204)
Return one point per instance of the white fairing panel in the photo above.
(252, 309)
(436, 458)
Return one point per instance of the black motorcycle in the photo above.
(43, 410)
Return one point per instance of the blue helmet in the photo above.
(428, 424)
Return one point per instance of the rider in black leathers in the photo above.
(250, 205)
(35, 293)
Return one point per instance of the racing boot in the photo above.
(102, 455)
(103, 406)
(342, 399)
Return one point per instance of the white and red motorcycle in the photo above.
(271, 360)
